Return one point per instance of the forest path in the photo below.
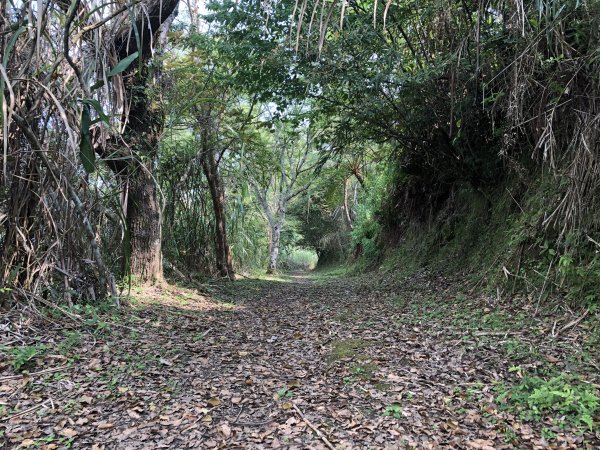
(298, 362)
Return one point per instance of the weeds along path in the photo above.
(297, 362)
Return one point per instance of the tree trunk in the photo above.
(143, 210)
(346, 207)
(274, 248)
(144, 124)
(144, 225)
(223, 253)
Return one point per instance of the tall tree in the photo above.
(284, 172)
(210, 158)
(49, 83)
(143, 124)
(209, 115)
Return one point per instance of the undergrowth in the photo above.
(499, 237)
(564, 399)
(24, 357)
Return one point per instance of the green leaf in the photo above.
(7, 51)
(120, 67)
(98, 108)
(97, 85)
(11, 44)
(86, 152)
(123, 65)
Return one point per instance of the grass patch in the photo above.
(329, 273)
(299, 259)
(345, 315)
(383, 387)
(518, 350)
(346, 349)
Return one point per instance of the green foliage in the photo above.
(298, 259)
(23, 357)
(285, 392)
(368, 224)
(123, 65)
(394, 411)
(346, 348)
(580, 275)
(561, 398)
(72, 341)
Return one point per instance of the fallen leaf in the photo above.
(225, 429)
(293, 384)
(481, 444)
(133, 414)
(86, 399)
(214, 402)
(68, 432)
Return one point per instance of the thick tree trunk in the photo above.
(143, 210)
(144, 125)
(274, 247)
(144, 225)
(223, 253)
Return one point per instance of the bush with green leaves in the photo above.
(563, 398)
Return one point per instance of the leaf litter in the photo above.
(347, 363)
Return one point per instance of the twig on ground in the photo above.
(239, 414)
(41, 372)
(573, 322)
(253, 424)
(33, 408)
(314, 428)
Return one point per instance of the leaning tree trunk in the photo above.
(223, 257)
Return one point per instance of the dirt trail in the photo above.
(297, 363)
